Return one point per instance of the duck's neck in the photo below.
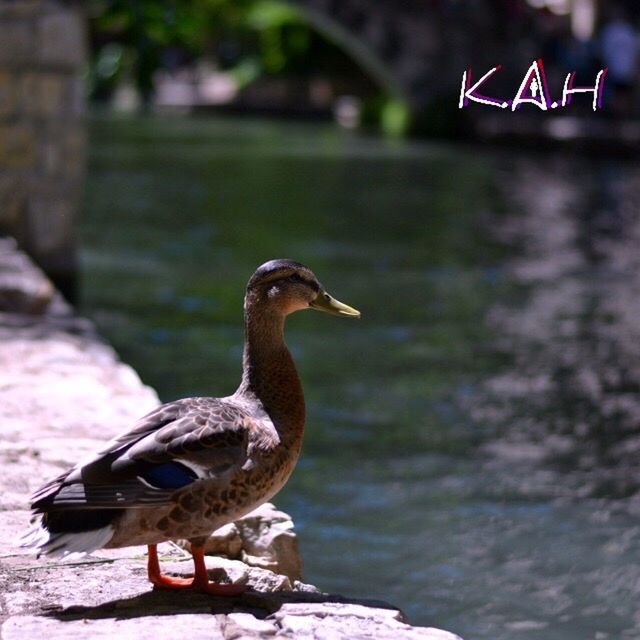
(268, 370)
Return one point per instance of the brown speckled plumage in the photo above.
(193, 465)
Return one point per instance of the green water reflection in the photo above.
(392, 498)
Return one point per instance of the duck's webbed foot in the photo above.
(200, 581)
(161, 581)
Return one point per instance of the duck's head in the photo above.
(287, 286)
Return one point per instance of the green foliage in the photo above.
(136, 38)
(395, 117)
(249, 39)
(389, 114)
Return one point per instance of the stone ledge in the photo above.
(63, 392)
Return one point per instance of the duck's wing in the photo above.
(175, 445)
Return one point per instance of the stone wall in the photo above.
(42, 141)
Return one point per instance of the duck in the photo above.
(193, 465)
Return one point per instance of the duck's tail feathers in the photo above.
(64, 544)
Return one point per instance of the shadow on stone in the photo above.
(161, 602)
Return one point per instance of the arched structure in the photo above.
(418, 49)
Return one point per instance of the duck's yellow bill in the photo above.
(325, 302)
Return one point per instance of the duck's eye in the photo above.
(297, 278)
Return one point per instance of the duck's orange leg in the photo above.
(156, 577)
(199, 582)
(201, 578)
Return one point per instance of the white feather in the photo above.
(65, 545)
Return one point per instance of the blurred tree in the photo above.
(135, 38)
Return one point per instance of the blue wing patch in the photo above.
(171, 475)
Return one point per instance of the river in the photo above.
(472, 452)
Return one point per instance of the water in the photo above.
(472, 451)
